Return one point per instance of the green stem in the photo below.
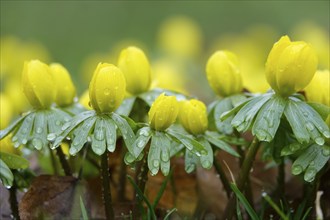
(222, 176)
(242, 177)
(122, 176)
(107, 200)
(142, 178)
(281, 180)
(13, 200)
(63, 161)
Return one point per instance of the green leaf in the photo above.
(244, 118)
(190, 161)
(71, 125)
(165, 144)
(293, 148)
(141, 195)
(311, 161)
(206, 160)
(6, 175)
(323, 110)
(110, 134)
(225, 125)
(12, 126)
(233, 111)
(126, 106)
(99, 137)
(269, 118)
(24, 131)
(274, 206)
(81, 134)
(244, 202)
(169, 213)
(39, 135)
(14, 161)
(141, 141)
(154, 152)
(214, 138)
(83, 209)
(125, 130)
(191, 144)
(295, 119)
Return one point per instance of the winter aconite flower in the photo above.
(223, 73)
(135, 66)
(38, 84)
(319, 88)
(193, 116)
(6, 111)
(290, 66)
(107, 88)
(65, 90)
(163, 112)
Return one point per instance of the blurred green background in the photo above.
(71, 30)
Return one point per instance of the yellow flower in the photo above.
(318, 90)
(135, 66)
(38, 84)
(6, 146)
(13, 90)
(6, 111)
(193, 116)
(223, 73)
(84, 100)
(65, 90)
(181, 36)
(107, 88)
(163, 112)
(290, 66)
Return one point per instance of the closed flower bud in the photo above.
(136, 68)
(290, 66)
(38, 84)
(318, 90)
(193, 116)
(107, 88)
(223, 73)
(65, 90)
(163, 112)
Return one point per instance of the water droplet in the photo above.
(165, 170)
(65, 126)
(73, 151)
(99, 134)
(206, 164)
(156, 163)
(263, 194)
(326, 151)
(326, 134)
(141, 144)
(310, 174)
(39, 130)
(58, 123)
(297, 169)
(106, 91)
(75, 142)
(24, 141)
(51, 137)
(129, 158)
(37, 143)
(15, 138)
(16, 144)
(263, 135)
(165, 156)
(319, 141)
(154, 172)
(309, 126)
(144, 132)
(190, 168)
(24, 130)
(305, 114)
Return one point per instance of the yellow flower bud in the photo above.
(163, 112)
(223, 73)
(136, 68)
(84, 100)
(318, 90)
(38, 84)
(193, 116)
(290, 66)
(107, 88)
(6, 146)
(6, 111)
(65, 90)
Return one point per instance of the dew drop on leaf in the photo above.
(319, 141)
(297, 169)
(156, 163)
(51, 137)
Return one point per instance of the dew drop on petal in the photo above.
(39, 130)
(156, 163)
(297, 169)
